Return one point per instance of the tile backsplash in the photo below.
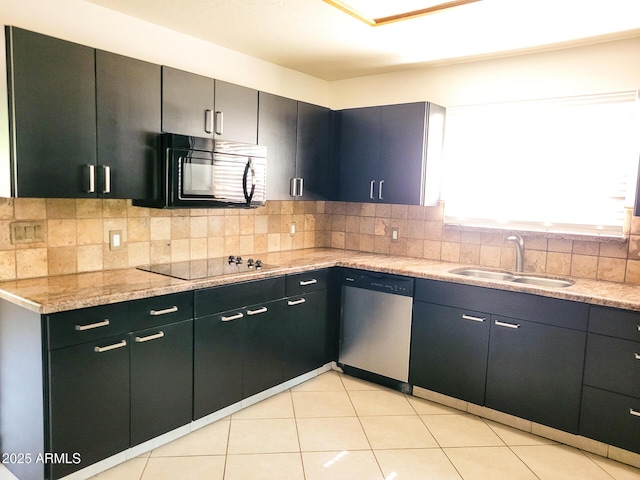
(76, 237)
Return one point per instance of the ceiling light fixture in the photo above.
(376, 13)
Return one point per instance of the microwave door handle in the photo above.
(249, 196)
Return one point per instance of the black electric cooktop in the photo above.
(211, 267)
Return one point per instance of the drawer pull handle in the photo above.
(121, 344)
(163, 312)
(472, 318)
(508, 325)
(349, 279)
(82, 328)
(230, 318)
(300, 301)
(304, 283)
(633, 412)
(637, 356)
(155, 336)
(257, 312)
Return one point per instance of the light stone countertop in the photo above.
(69, 292)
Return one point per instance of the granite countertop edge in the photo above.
(46, 295)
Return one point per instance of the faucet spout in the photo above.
(519, 242)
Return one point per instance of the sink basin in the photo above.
(543, 282)
(491, 275)
(513, 277)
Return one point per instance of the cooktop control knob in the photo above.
(250, 263)
(258, 263)
(238, 260)
(232, 259)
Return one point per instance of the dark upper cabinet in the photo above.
(277, 130)
(298, 140)
(187, 103)
(382, 151)
(314, 164)
(236, 113)
(203, 107)
(52, 112)
(128, 109)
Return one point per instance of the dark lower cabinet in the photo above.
(161, 379)
(535, 372)
(88, 402)
(611, 418)
(449, 351)
(217, 362)
(306, 334)
(262, 359)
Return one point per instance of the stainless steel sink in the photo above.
(489, 274)
(543, 282)
(512, 277)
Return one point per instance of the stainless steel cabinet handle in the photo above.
(155, 336)
(471, 317)
(163, 312)
(92, 179)
(637, 356)
(107, 179)
(508, 325)
(121, 344)
(633, 412)
(371, 186)
(257, 312)
(301, 186)
(304, 283)
(82, 328)
(237, 316)
(208, 121)
(291, 303)
(349, 279)
(380, 189)
(219, 123)
(293, 187)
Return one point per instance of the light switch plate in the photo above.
(115, 239)
(395, 234)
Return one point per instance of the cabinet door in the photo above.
(52, 115)
(236, 113)
(306, 334)
(535, 372)
(358, 153)
(88, 402)
(313, 154)
(402, 153)
(187, 103)
(161, 380)
(277, 128)
(217, 362)
(128, 109)
(262, 355)
(449, 351)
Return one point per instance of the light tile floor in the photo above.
(340, 428)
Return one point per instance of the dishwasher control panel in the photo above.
(381, 282)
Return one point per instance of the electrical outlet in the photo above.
(115, 239)
(395, 234)
(27, 232)
(292, 229)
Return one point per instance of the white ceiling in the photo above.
(313, 37)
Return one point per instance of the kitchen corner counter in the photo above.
(68, 292)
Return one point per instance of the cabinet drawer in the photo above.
(611, 418)
(535, 308)
(306, 282)
(228, 297)
(615, 322)
(613, 364)
(86, 324)
(149, 312)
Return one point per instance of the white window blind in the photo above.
(559, 165)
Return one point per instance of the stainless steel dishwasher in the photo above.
(375, 324)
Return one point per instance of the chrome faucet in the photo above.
(517, 239)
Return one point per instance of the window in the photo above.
(560, 165)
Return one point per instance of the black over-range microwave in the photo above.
(202, 172)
